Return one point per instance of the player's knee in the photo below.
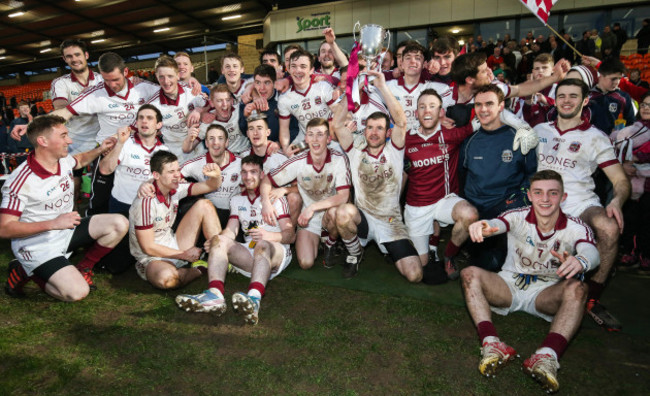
(77, 293)
(344, 214)
(575, 291)
(167, 279)
(205, 206)
(305, 263)
(294, 199)
(121, 225)
(414, 273)
(607, 231)
(469, 275)
(263, 248)
(467, 214)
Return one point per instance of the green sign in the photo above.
(316, 22)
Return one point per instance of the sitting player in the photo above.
(160, 252)
(263, 255)
(547, 251)
(37, 215)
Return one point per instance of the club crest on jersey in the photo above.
(141, 101)
(613, 107)
(253, 213)
(529, 241)
(574, 147)
(556, 246)
(382, 160)
(506, 156)
(329, 178)
(234, 177)
(318, 100)
(442, 146)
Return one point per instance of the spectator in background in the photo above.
(635, 78)
(597, 41)
(3, 100)
(544, 44)
(495, 59)
(24, 118)
(608, 45)
(213, 75)
(621, 38)
(586, 46)
(13, 102)
(643, 37)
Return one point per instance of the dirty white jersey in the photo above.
(237, 140)
(575, 154)
(314, 184)
(83, 129)
(157, 213)
(529, 251)
(408, 96)
(113, 110)
(371, 102)
(246, 211)
(230, 178)
(133, 168)
(306, 105)
(175, 113)
(240, 92)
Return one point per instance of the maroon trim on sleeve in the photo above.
(144, 227)
(608, 163)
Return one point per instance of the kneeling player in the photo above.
(37, 214)
(160, 253)
(547, 251)
(263, 255)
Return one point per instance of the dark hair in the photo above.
(491, 88)
(217, 127)
(432, 92)
(254, 160)
(269, 52)
(547, 174)
(611, 66)
(403, 44)
(265, 71)
(150, 107)
(379, 115)
(466, 65)
(73, 43)
(574, 82)
(414, 47)
(232, 55)
(291, 47)
(42, 125)
(300, 53)
(445, 44)
(160, 158)
(111, 61)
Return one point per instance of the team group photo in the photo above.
(325, 198)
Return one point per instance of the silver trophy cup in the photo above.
(371, 38)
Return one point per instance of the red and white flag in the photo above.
(541, 8)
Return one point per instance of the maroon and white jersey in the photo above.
(242, 88)
(529, 251)
(336, 74)
(433, 162)
(175, 113)
(114, 110)
(312, 103)
(133, 168)
(33, 194)
(517, 105)
(157, 213)
(270, 161)
(246, 211)
(408, 96)
(575, 154)
(314, 184)
(230, 177)
(83, 129)
(371, 102)
(377, 181)
(237, 139)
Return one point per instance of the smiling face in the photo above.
(185, 68)
(301, 71)
(216, 140)
(445, 60)
(412, 63)
(222, 102)
(569, 101)
(168, 80)
(56, 141)
(317, 137)
(546, 196)
(326, 56)
(76, 59)
(488, 108)
(251, 174)
(644, 108)
(232, 69)
(429, 112)
(263, 86)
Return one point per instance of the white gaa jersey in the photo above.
(246, 211)
(157, 213)
(175, 113)
(408, 96)
(575, 154)
(371, 102)
(270, 161)
(114, 110)
(377, 181)
(83, 129)
(242, 88)
(312, 103)
(133, 168)
(230, 178)
(529, 251)
(33, 194)
(314, 184)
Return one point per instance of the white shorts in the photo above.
(523, 300)
(419, 220)
(286, 260)
(143, 262)
(315, 224)
(382, 231)
(51, 244)
(576, 207)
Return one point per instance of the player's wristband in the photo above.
(582, 260)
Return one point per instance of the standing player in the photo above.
(160, 252)
(185, 70)
(305, 100)
(179, 107)
(37, 215)
(572, 147)
(216, 140)
(232, 67)
(547, 250)
(443, 53)
(323, 177)
(272, 58)
(377, 180)
(432, 151)
(263, 255)
(330, 56)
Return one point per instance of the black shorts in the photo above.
(80, 237)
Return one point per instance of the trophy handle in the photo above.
(354, 29)
(387, 35)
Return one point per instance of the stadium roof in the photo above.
(31, 31)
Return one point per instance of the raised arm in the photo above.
(213, 172)
(533, 86)
(108, 164)
(339, 56)
(396, 110)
